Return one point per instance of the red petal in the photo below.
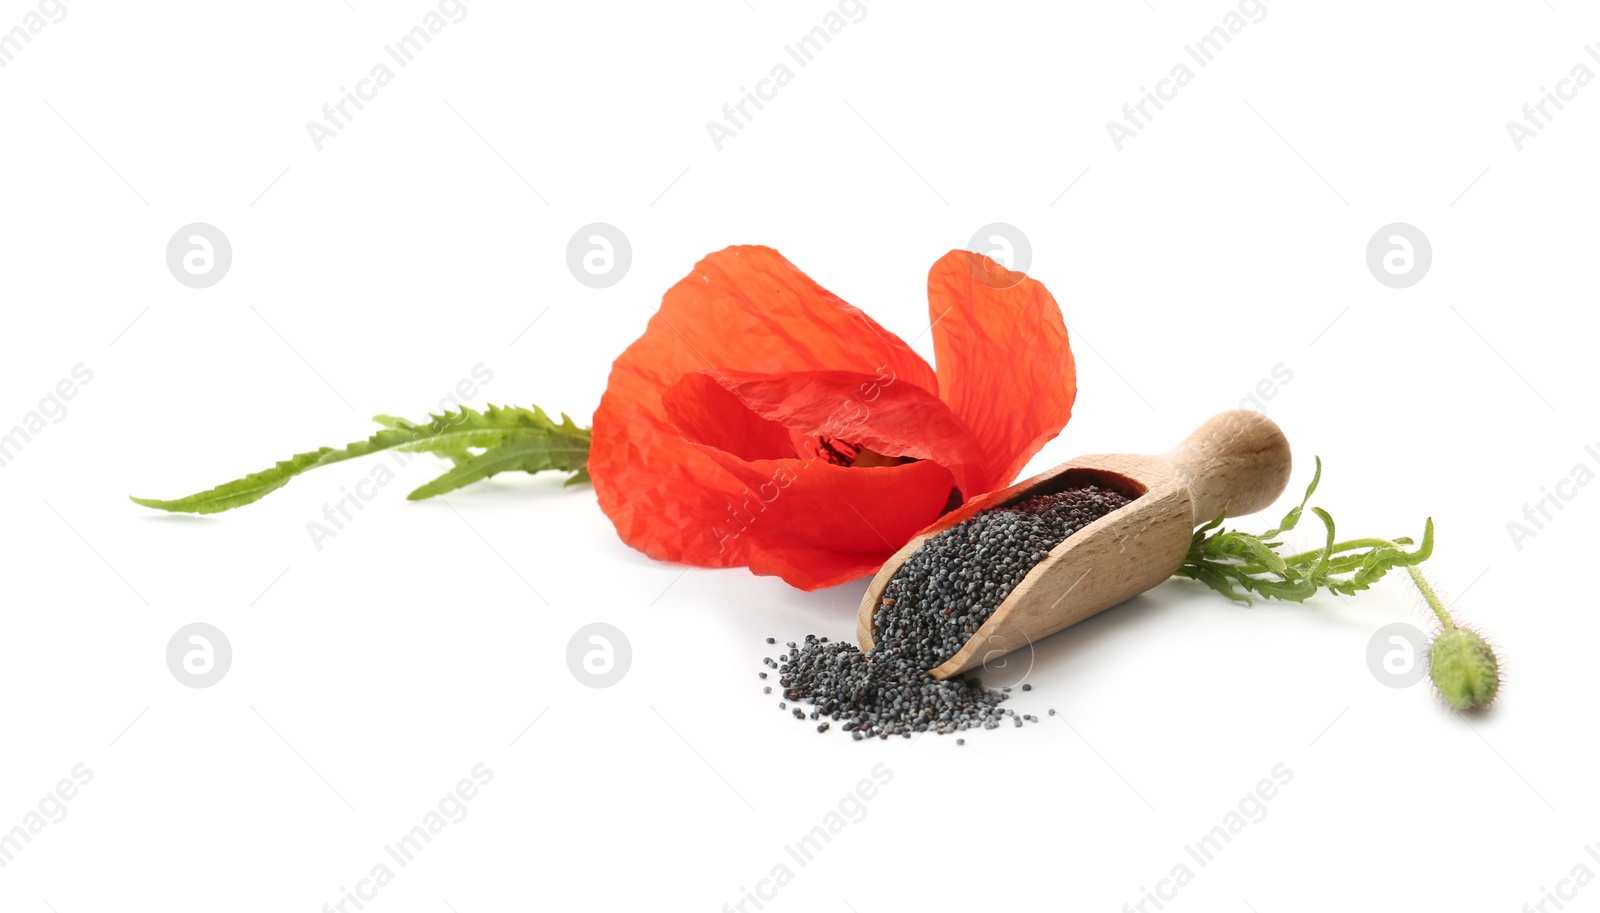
(743, 308)
(872, 411)
(809, 568)
(816, 524)
(706, 412)
(1005, 366)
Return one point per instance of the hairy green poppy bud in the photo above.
(1464, 669)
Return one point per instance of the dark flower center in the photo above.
(844, 453)
(840, 452)
(837, 452)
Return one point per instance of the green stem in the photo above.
(1234, 562)
(1338, 563)
(1339, 547)
(480, 444)
(1434, 602)
(1425, 588)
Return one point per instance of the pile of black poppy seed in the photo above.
(930, 608)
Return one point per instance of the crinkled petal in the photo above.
(706, 412)
(808, 568)
(1005, 365)
(816, 524)
(742, 308)
(871, 411)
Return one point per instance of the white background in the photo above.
(369, 676)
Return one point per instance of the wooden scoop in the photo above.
(1236, 462)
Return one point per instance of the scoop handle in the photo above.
(1238, 461)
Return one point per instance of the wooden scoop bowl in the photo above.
(1238, 462)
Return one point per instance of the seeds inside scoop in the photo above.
(931, 607)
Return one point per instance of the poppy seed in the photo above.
(935, 602)
(960, 576)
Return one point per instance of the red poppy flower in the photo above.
(762, 422)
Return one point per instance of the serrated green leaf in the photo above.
(526, 450)
(1292, 518)
(1235, 563)
(480, 444)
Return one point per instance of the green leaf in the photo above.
(530, 447)
(480, 444)
(1236, 563)
(1293, 516)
